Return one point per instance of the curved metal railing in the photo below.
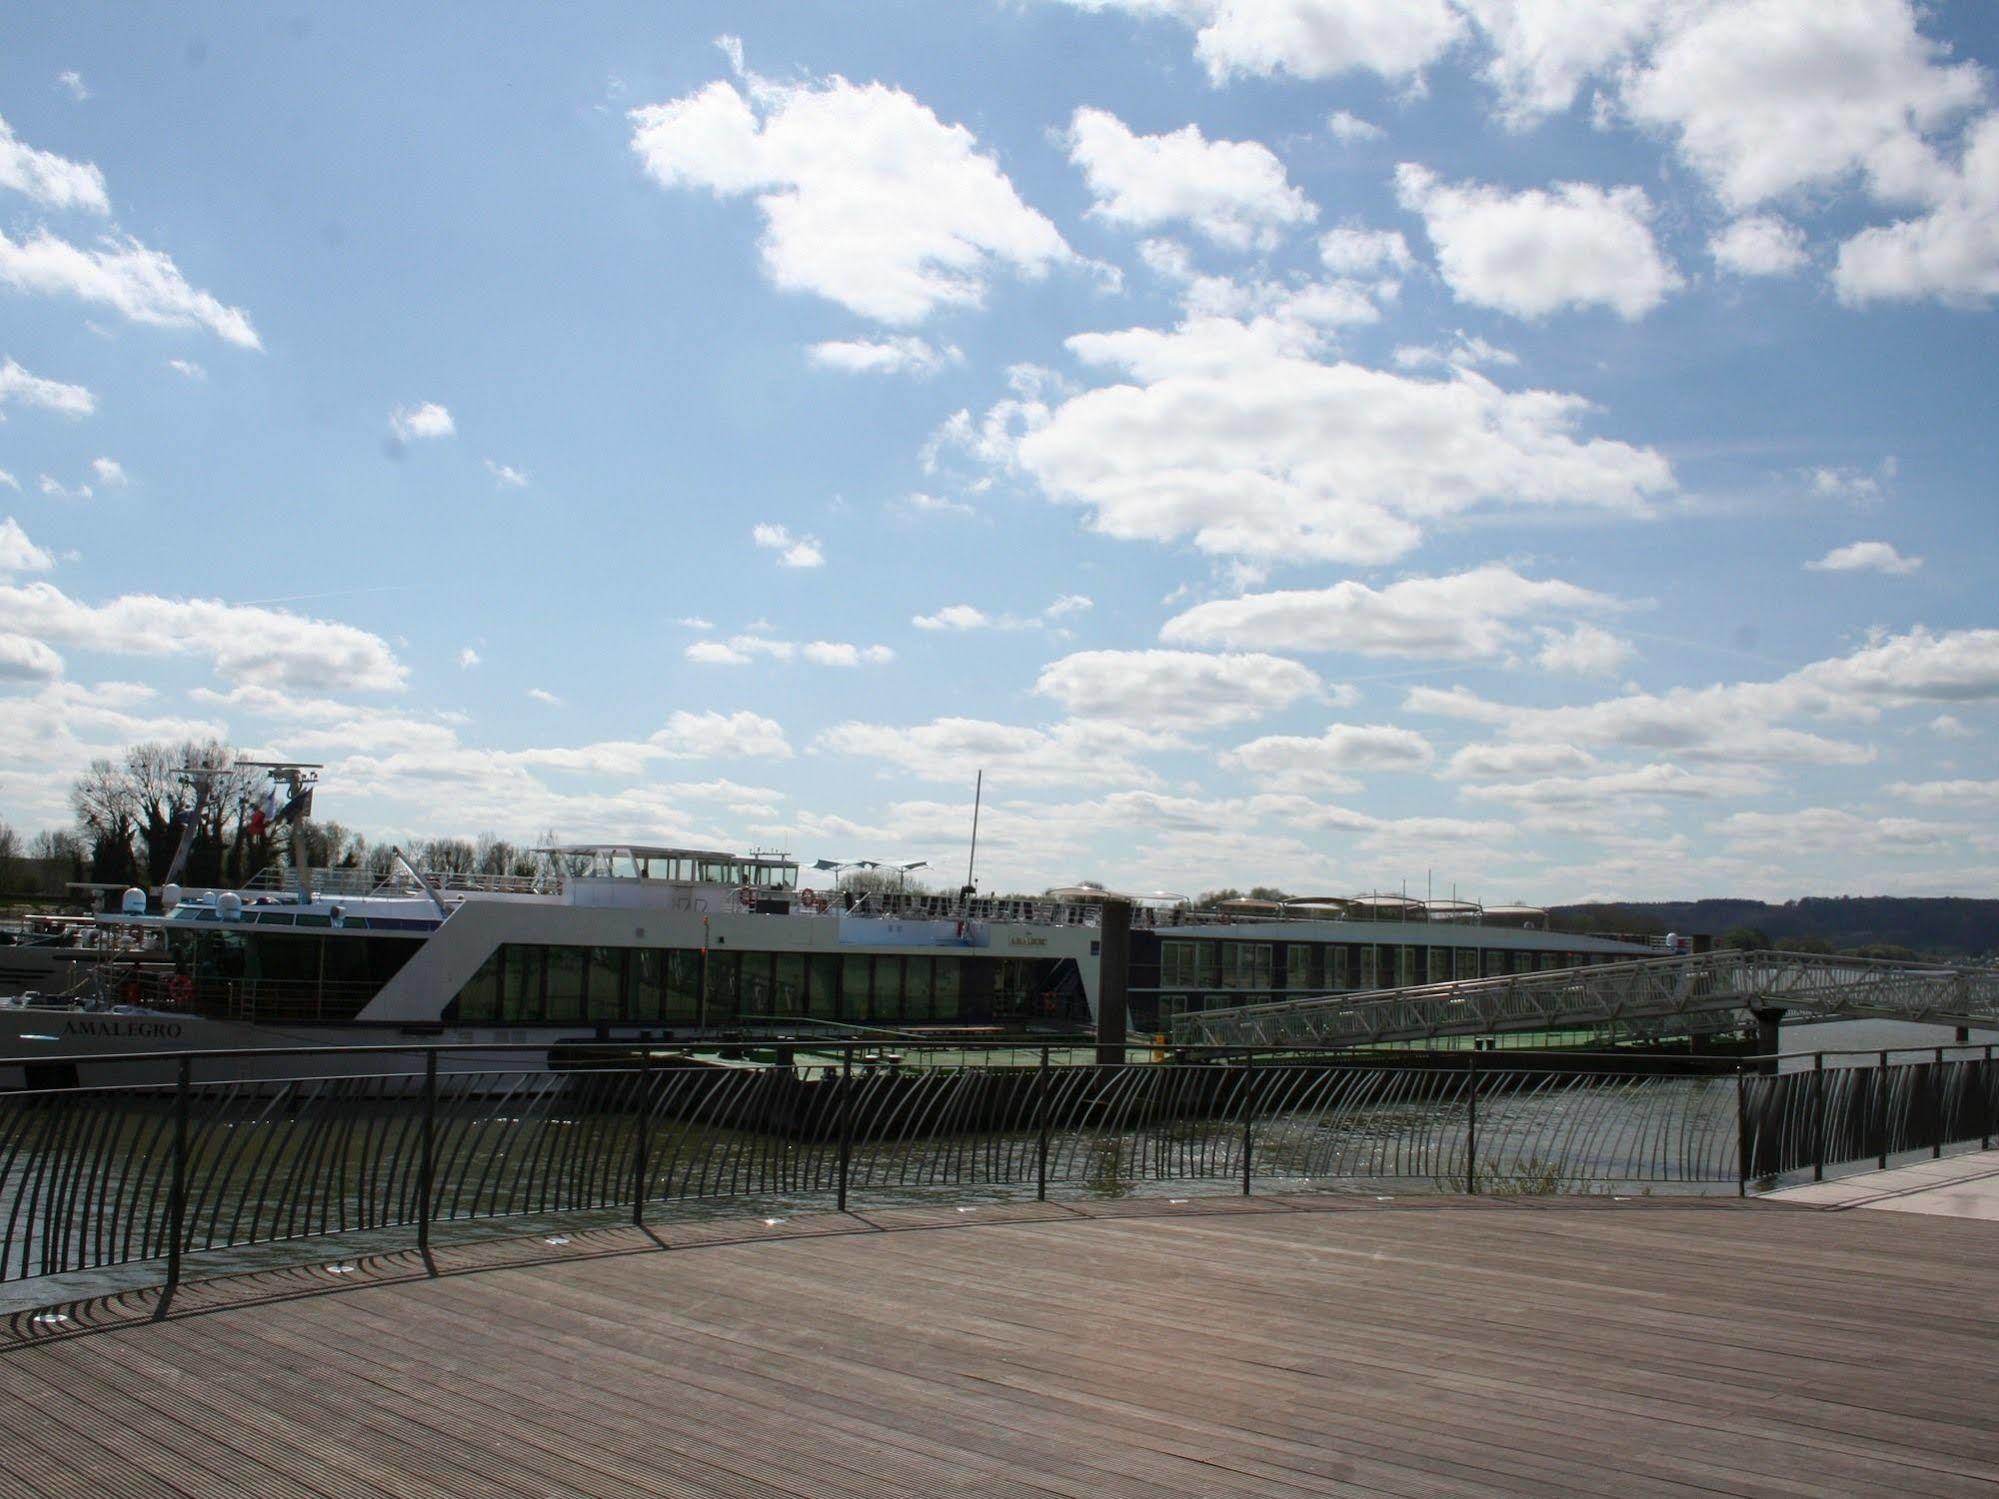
(100, 1176)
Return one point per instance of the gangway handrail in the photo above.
(1821, 985)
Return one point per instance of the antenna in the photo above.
(978, 796)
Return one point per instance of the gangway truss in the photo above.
(1641, 993)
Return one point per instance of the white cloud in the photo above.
(1542, 50)
(695, 622)
(122, 274)
(918, 503)
(841, 653)
(1232, 192)
(1949, 726)
(1769, 97)
(508, 477)
(793, 551)
(1865, 557)
(16, 384)
(468, 658)
(954, 617)
(1457, 617)
(1016, 755)
(1832, 830)
(1067, 604)
(18, 554)
(1307, 39)
(1849, 484)
(1347, 128)
(245, 643)
(1465, 352)
(1234, 436)
(1354, 251)
(1536, 252)
(1172, 689)
(903, 354)
(741, 650)
(187, 369)
(55, 489)
(26, 660)
(72, 84)
(1950, 253)
(1760, 245)
(1954, 794)
(1490, 761)
(1957, 666)
(868, 198)
(416, 423)
(1323, 762)
(50, 180)
(544, 696)
(722, 736)
(1584, 649)
(110, 471)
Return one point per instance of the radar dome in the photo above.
(133, 902)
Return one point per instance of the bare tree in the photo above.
(102, 801)
(448, 856)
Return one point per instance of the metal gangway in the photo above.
(1646, 994)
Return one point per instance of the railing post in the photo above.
(1248, 1115)
(177, 1186)
(1936, 1108)
(1741, 1130)
(846, 1119)
(1881, 1107)
(1041, 1130)
(1471, 1126)
(641, 1133)
(1985, 1114)
(427, 1167)
(1818, 1116)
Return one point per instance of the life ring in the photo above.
(179, 989)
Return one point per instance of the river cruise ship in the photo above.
(632, 943)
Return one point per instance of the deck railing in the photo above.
(254, 1148)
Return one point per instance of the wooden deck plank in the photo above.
(1358, 1349)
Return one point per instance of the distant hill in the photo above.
(1949, 926)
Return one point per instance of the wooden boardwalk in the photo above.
(1282, 1346)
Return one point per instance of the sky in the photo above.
(1534, 449)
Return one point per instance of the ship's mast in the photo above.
(295, 780)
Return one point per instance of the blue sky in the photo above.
(1544, 448)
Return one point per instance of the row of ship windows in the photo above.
(526, 984)
(1343, 965)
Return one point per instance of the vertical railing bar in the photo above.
(1248, 1117)
(1881, 1106)
(1041, 1129)
(427, 1167)
(641, 1134)
(1471, 1126)
(1818, 1116)
(177, 1193)
(1741, 1130)
(846, 1121)
(1936, 1092)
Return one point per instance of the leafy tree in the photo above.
(1743, 939)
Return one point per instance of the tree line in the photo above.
(128, 813)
